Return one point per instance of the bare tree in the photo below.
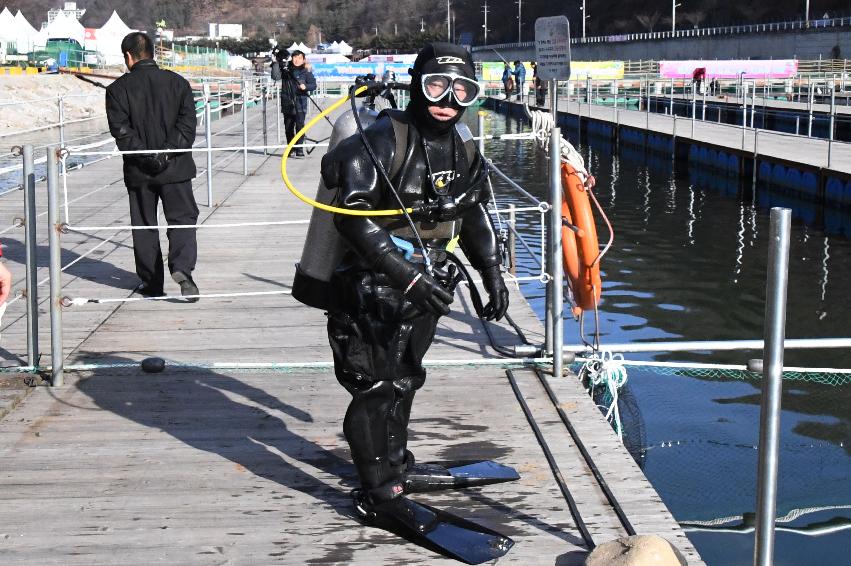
(648, 22)
(695, 18)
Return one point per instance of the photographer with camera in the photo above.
(297, 82)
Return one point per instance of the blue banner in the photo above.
(348, 71)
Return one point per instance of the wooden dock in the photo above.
(198, 465)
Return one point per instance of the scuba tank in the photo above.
(323, 246)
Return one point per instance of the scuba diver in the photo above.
(395, 278)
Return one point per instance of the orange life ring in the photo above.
(581, 248)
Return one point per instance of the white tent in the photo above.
(7, 26)
(304, 48)
(108, 40)
(25, 33)
(238, 62)
(64, 27)
(344, 48)
(293, 47)
(327, 58)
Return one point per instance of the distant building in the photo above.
(222, 31)
(70, 10)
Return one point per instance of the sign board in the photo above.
(751, 68)
(552, 48)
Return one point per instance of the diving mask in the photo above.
(464, 90)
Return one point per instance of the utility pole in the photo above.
(674, 15)
(422, 25)
(486, 22)
(519, 19)
(807, 13)
(448, 23)
(584, 17)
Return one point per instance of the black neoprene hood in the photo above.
(437, 58)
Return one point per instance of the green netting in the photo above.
(821, 377)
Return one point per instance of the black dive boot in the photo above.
(448, 534)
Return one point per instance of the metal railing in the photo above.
(253, 92)
(775, 27)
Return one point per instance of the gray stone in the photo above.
(639, 550)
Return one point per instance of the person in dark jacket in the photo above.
(153, 109)
(519, 80)
(297, 82)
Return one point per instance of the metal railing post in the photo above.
(278, 111)
(265, 131)
(671, 107)
(772, 387)
(30, 244)
(208, 138)
(62, 129)
(832, 107)
(810, 110)
(555, 259)
(245, 127)
(57, 361)
(481, 119)
(512, 240)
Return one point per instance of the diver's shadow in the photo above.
(225, 416)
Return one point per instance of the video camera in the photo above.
(280, 54)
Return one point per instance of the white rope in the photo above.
(288, 366)
(195, 149)
(606, 369)
(184, 226)
(542, 126)
(80, 301)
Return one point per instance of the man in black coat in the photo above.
(153, 109)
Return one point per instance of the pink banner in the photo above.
(753, 69)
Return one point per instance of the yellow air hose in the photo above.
(310, 201)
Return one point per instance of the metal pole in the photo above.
(753, 103)
(810, 110)
(30, 243)
(755, 154)
(744, 104)
(769, 421)
(703, 111)
(56, 355)
(245, 127)
(208, 137)
(556, 283)
(278, 111)
(512, 240)
(265, 131)
(832, 106)
(481, 118)
(672, 97)
(62, 130)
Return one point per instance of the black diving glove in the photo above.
(420, 288)
(497, 292)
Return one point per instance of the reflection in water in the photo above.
(689, 262)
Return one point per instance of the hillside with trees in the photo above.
(403, 24)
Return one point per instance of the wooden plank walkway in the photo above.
(812, 152)
(201, 466)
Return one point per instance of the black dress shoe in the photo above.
(146, 290)
(188, 288)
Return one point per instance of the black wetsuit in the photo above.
(378, 334)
